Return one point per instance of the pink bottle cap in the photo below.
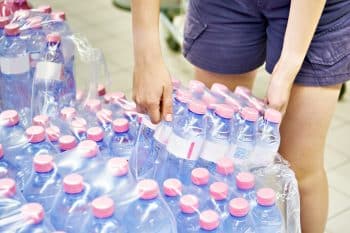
(7, 187)
(243, 91)
(148, 189)
(172, 187)
(218, 191)
(219, 88)
(44, 9)
(120, 125)
(35, 134)
(4, 21)
(9, 118)
(53, 37)
(93, 105)
(41, 120)
(245, 180)
(225, 111)
(101, 90)
(196, 86)
(197, 107)
(250, 114)
(11, 29)
(176, 83)
(1, 151)
(53, 133)
(189, 204)
(43, 163)
(273, 115)
(67, 142)
(266, 197)
(59, 15)
(79, 95)
(200, 176)
(95, 133)
(104, 116)
(79, 125)
(209, 220)
(68, 113)
(103, 207)
(35, 23)
(118, 166)
(117, 97)
(73, 183)
(34, 212)
(225, 166)
(239, 207)
(88, 148)
(183, 96)
(210, 101)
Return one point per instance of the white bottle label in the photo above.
(214, 151)
(15, 65)
(49, 70)
(162, 133)
(184, 148)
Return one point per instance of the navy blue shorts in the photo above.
(237, 36)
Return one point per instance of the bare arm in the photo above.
(152, 84)
(304, 16)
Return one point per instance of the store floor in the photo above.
(110, 29)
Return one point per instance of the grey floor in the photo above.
(110, 29)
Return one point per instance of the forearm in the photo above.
(145, 24)
(303, 19)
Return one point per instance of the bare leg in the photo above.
(303, 134)
(229, 80)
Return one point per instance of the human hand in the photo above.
(152, 91)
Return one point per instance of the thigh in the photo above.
(305, 126)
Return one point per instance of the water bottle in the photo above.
(92, 106)
(217, 142)
(239, 220)
(11, 131)
(245, 182)
(197, 89)
(115, 102)
(200, 178)
(49, 80)
(4, 20)
(67, 142)
(220, 91)
(225, 172)
(181, 99)
(103, 217)
(185, 142)
(71, 207)
(20, 17)
(172, 189)
(268, 141)
(122, 142)
(78, 127)
(188, 219)
(149, 214)
(104, 119)
(209, 221)
(246, 139)
(266, 214)
(97, 135)
(56, 23)
(44, 182)
(10, 199)
(15, 72)
(243, 94)
(6, 169)
(219, 194)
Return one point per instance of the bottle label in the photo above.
(49, 70)
(162, 134)
(184, 148)
(15, 65)
(213, 151)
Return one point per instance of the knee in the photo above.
(310, 178)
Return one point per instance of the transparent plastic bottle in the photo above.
(98, 135)
(11, 129)
(245, 182)
(239, 220)
(219, 198)
(209, 221)
(197, 89)
(200, 178)
(122, 142)
(188, 219)
(172, 191)
(225, 172)
(92, 106)
(181, 99)
(104, 119)
(220, 91)
(10, 198)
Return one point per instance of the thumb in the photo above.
(167, 103)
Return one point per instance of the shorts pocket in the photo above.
(194, 28)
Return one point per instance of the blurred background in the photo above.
(108, 27)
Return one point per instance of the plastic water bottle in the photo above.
(149, 214)
(15, 71)
(181, 99)
(4, 20)
(239, 220)
(11, 131)
(219, 198)
(103, 218)
(220, 91)
(197, 89)
(92, 106)
(246, 139)
(71, 207)
(78, 127)
(245, 182)
(266, 214)
(172, 189)
(209, 221)
(188, 219)
(44, 183)
(225, 172)
(67, 142)
(268, 141)
(185, 142)
(49, 80)
(104, 119)
(217, 143)
(200, 184)
(57, 23)
(20, 17)
(122, 142)
(10, 198)
(97, 135)
(6, 169)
